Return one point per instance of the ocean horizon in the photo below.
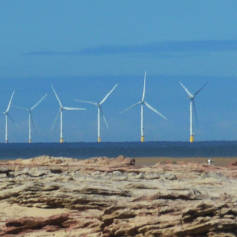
(83, 150)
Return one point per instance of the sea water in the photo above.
(113, 149)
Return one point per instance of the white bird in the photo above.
(29, 110)
(61, 109)
(99, 111)
(143, 103)
(191, 107)
(6, 113)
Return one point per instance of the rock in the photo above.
(3, 176)
(132, 161)
(25, 224)
(56, 171)
(96, 173)
(112, 197)
(152, 176)
(202, 209)
(140, 176)
(169, 176)
(234, 163)
(5, 170)
(117, 173)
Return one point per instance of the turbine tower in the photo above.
(61, 109)
(143, 104)
(6, 113)
(100, 111)
(192, 106)
(29, 110)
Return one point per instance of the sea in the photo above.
(84, 150)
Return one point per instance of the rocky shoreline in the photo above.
(48, 196)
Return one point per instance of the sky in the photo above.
(84, 48)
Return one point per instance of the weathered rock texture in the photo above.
(48, 196)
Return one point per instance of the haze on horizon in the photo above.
(83, 48)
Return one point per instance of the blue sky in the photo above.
(85, 47)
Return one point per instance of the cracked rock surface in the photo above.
(48, 196)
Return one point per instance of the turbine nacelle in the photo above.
(190, 95)
(61, 107)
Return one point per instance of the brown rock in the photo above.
(27, 224)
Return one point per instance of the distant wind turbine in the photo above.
(29, 110)
(192, 106)
(143, 103)
(99, 111)
(6, 113)
(61, 109)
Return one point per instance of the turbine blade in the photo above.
(59, 101)
(38, 102)
(108, 94)
(104, 118)
(130, 107)
(144, 88)
(55, 121)
(155, 110)
(86, 101)
(10, 102)
(73, 108)
(190, 95)
(197, 92)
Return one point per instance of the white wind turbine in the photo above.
(6, 113)
(99, 110)
(29, 110)
(192, 106)
(61, 109)
(143, 103)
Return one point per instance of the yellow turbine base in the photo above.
(61, 140)
(142, 139)
(29, 141)
(191, 139)
(99, 139)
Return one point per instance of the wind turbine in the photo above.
(143, 104)
(100, 111)
(192, 106)
(6, 113)
(29, 110)
(61, 109)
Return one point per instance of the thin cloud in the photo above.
(159, 48)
